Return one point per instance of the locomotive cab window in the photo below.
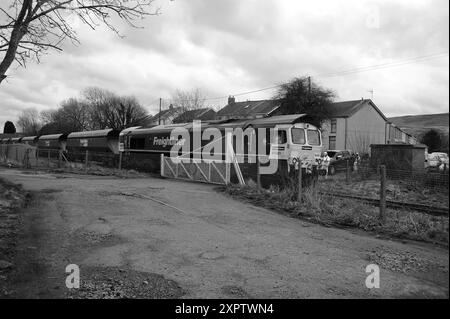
(137, 143)
(280, 137)
(313, 138)
(298, 136)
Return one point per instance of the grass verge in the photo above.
(342, 212)
(12, 199)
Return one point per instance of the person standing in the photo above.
(325, 163)
(356, 162)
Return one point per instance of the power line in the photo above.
(387, 65)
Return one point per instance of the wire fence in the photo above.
(26, 156)
(425, 190)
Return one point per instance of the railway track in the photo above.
(430, 210)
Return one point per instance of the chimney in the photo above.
(231, 100)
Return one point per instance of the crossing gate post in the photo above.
(382, 194)
(300, 190)
(120, 160)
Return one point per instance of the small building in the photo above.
(399, 158)
(165, 117)
(247, 109)
(354, 126)
(399, 136)
(205, 114)
(357, 124)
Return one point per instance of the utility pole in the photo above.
(309, 85)
(159, 114)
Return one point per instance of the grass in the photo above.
(342, 212)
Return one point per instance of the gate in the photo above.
(206, 171)
(199, 170)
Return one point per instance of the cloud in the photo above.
(226, 47)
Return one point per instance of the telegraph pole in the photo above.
(159, 114)
(309, 85)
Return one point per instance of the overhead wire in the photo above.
(407, 61)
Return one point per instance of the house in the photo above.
(354, 125)
(166, 116)
(398, 136)
(357, 124)
(247, 109)
(205, 114)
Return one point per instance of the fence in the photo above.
(27, 156)
(18, 154)
(420, 190)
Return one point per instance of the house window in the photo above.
(333, 126)
(332, 142)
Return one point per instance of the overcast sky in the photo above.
(230, 46)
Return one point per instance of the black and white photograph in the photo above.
(223, 156)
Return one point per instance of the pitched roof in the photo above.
(199, 114)
(166, 113)
(265, 107)
(243, 109)
(348, 108)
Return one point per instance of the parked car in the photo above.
(438, 160)
(339, 160)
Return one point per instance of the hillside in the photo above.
(418, 124)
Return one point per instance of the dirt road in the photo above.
(149, 237)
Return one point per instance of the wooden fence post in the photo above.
(59, 158)
(48, 158)
(347, 172)
(258, 173)
(27, 158)
(120, 161)
(86, 159)
(382, 194)
(300, 190)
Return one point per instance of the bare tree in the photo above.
(75, 112)
(73, 115)
(31, 27)
(46, 116)
(109, 110)
(188, 101)
(360, 141)
(29, 121)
